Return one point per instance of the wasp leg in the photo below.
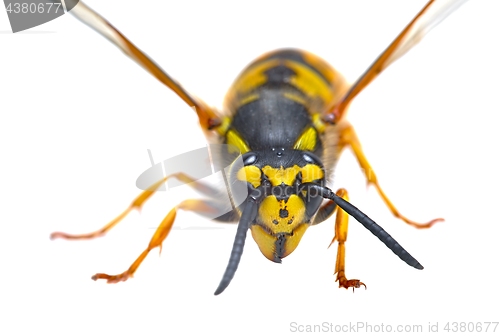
(137, 204)
(348, 137)
(199, 206)
(341, 227)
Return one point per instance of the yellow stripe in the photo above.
(236, 140)
(321, 84)
(324, 68)
(318, 123)
(224, 126)
(253, 77)
(309, 82)
(307, 141)
(295, 97)
(250, 174)
(248, 99)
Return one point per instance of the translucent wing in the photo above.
(429, 17)
(207, 117)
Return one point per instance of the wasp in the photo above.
(284, 128)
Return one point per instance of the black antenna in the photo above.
(247, 217)
(367, 222)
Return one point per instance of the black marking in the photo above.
(279, 74)
(283, 192)
(275, 222)
(279, 246)
(271, 121)
(291, 221)
(283, 213)
(295, 55)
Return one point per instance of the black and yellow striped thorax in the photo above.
(277, 98)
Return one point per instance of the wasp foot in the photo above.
(112, 278)
(344, 283)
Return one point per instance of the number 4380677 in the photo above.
(471, 326)
(32, 7)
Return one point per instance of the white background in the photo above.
(77, 117)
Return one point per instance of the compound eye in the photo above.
(311, 158)
(249, 158)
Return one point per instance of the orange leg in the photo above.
(159, 236)
(348, 137)
(341, 227)
(136, 204)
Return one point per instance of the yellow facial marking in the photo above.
(307, 141)
(277, 176)
(311, 172)
(281, 175)
(267, 242)
(293, 241)
(236, 140)
(250, 174)
(281, 216)
(264, 240)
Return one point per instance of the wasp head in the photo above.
(284, 212)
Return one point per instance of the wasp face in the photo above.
(285, 212)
